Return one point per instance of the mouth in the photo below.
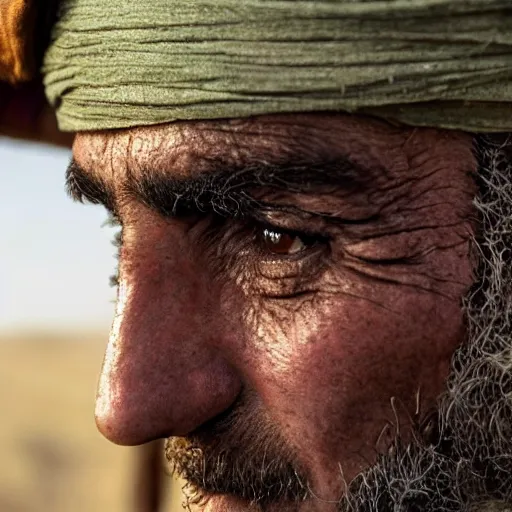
(257, 477)
(241, 455)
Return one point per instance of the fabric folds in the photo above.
(444, 63)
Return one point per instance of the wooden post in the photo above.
(149, 476)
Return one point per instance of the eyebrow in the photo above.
(224, 189)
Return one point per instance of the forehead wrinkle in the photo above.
(188, 149)
(185, 149)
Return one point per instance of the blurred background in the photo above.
(55, 308)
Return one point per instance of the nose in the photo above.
(163, 373)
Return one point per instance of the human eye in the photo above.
(279, 260)
(281, 242)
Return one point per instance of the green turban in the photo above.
(123, 63)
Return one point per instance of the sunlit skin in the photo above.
(335, 334)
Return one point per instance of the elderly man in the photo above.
(315, 281)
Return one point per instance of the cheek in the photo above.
(356, 337)
(327, 369)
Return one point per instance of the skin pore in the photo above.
(289, 295)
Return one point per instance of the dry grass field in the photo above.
(52, 457)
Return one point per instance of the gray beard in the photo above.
(460, 459)
(468, 466)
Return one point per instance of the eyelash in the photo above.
(224, 235)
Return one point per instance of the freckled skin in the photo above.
(191, 332)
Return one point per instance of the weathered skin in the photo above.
(323, 341)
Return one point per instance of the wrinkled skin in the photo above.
(329, 345)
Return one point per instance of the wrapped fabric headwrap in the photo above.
(123, 63)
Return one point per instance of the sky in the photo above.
(55, 256)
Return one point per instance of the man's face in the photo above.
(289, 298)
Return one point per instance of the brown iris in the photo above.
(281, 242)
